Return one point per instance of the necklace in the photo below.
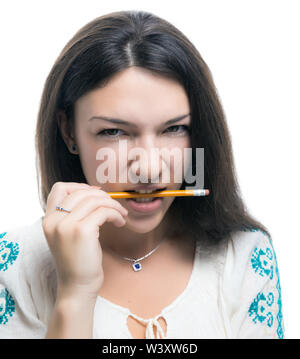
(136, 266)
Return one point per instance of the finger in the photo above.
(89, 204)
(59, 190)
(102, 215)
(72, 200)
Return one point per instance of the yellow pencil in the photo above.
(174, 193)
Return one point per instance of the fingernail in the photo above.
(96, 187)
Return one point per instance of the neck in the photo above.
(128, 243)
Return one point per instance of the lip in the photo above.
(152, 188)
(145, 207)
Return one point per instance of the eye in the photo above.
(110, 132)
(185, 128)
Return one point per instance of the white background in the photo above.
(252, 49)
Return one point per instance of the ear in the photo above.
(66, 130)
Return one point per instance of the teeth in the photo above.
(143, 199)
(146, 191)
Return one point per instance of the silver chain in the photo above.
(139, 259)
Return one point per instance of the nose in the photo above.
(146, 163)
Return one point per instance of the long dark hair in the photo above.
(110, 44)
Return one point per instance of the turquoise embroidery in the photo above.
(2, 235)
(8, 252)
(262, 262)
(7, 306)
(280, 327)
(259, 308)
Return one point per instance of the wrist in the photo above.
(72, 317)
(69, 303)
(74, 296)
(74, 304)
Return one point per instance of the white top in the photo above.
(233, 292)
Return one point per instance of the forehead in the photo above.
(135, 95)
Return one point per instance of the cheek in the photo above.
(89, 166)
(182, 160)
(89, 161)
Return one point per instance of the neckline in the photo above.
(169, 307)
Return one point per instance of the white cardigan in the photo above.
(233, 292)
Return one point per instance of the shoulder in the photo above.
(27, 279)
(246, 240)
(251, 283)
(9, 250)
(22, 245)
(251, 251)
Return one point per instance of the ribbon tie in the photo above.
(150, 327)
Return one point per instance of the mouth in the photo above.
(146, 205)
(147, 191)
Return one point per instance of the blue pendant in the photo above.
(136, 266)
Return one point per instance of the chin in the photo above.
(142, 225)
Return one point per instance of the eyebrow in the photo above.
(126, 123)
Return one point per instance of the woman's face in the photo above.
(146, 102)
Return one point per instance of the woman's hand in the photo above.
(73, 238)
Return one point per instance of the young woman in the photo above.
(208, 268)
